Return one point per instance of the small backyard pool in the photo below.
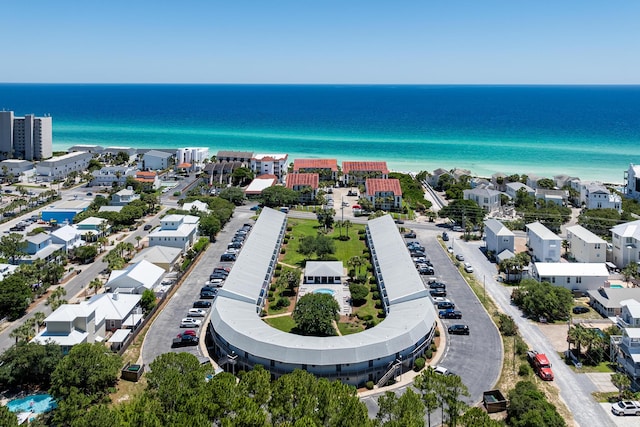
(36, 403)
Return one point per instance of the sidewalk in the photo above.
(406, 378)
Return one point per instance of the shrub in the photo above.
(507, 325)
(273, 288)
(358, 294)
(437, 333)
(419, 364)
(375, 295)
(374, 288)
(361, 232)
(428, 354)
(281, 303)
(282, 251)
(289, 228)
(278, 267)
(521, 346)
(270, 295)
(524, 369)
(433, 347)
(369, 385)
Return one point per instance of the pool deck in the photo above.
(340, 293)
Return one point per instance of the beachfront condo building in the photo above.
(356, 173)
(327, 169)
(28, 137)
(195, 157)
(270, 164)
(632, 182)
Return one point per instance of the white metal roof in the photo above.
(497, 227)
(583, 234)
(235, 318)
(633, 306)
(324, 268)
(573, 269)
(120, 335)
(629, 229)
(541, 231)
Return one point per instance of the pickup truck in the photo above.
(540, 365)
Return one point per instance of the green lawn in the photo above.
(349, 328)
(284, 323)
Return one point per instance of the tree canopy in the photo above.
(15, 296)
(463, 211)
(314, 314)
(542, 299)
(279, 196)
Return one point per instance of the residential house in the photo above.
(91, 228)
(384, 194)
(68, 236)
(113, 151)
(178, 231)
(544, 244)
(327, 169)
(498, 237)
(512, 188)
(629, 314)
(162, 256)
(435, 176)
(499, 181)
(458, 173)
(571, 275)
(110, 175)
(562, 180)
(481, 183)
(559, 197)
(156, 160)
(258, 184)
(58, 168)
(7, 270)
(87, 148)
(89, 321)
(586, 246)
(148, 179)
(306, 184)
(532, 180)
(628, 355)
(270, 164)
(39, 246)
(196, 206)
(124, 197)
(323, 272)
(135, 278)
(488, 200)
(356, 173)
(608, 301)
(632, 182)
(234, 156)
(594, 195)
(625, 239)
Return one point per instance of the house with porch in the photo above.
(93, 227)
(594, 195)
(39, 246)
(306, 184)
(544, 244)
(68, 236)
(627, 354)
(148, 179)
(109, 175)
(632, 182)
(629, 314)
(488, 200)
(135, 278)
(585, 246)
(571, 275)
(384, 194)
(625, 239)
(608, 301)
(156, 160)
(124, 197)
(323, 273)
(178, 231)
(512, 188)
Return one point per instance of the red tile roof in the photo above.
(315, 164)
(348, 167)
(375, 186)
(144, 176)
(305, 179)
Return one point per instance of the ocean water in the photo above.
(592, 132)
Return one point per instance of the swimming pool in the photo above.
(324, 291)
(36, 403)
(616, 286)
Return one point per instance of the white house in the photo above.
(323, 272)
(544, 244)
(632, 182)
(608, 301)
(270, 164)
(68, 236)
(93, 227)
(162, 256)
(178, 231)
(559, 197)
(571, 275)
(625, 239)
(498, 237)
(594, 195)
(87, 148)
(628, 354)
(512, 188)
(259, 184)
(586, 246)
(135, 278)
(197, 205)
(124, 197)
(155, 160)
(630, 313)
(488, 200)
(110, 174)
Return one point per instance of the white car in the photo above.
(468, 267)
(189, 322)
(627, 407)
(441, 370)
(437, 300)
(196, 312)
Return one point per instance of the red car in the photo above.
(187, 332)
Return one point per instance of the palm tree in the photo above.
(95, 285)
(39, 317)
(103, 240)
(355, 262)
(138, 238)
(566, 245)
(579, 337)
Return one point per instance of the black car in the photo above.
(209, 288)
(580, 309)
(417, 253)
(410, 235)
(426, 270)
(220, 270)
(185, 340)
(450, 314)
(147, 227)
(202, 304)
(459, 330)
(437, 285)
(444, 305)
(440, 292)
(207, 295)
(445, 236)
(227, 257)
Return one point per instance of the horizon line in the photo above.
(326, 84)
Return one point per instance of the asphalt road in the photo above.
(476, 358)
(166, 326)
(575, 389)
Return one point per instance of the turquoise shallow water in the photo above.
(588, 131)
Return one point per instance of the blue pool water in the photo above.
(324, 291)
(616, 286)
(36, 403)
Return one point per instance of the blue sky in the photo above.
(328, 41)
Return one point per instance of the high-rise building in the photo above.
(28, 137)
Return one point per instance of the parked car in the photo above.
(444, 305)
(196, 312)
(445, 236)
(188, 332)
(207, 295)
(468, 267)
(185, 340)
(209, 288)
(579, 309)
(255, 208)
(437, 300)
(147, 227)
(627, 407)
(399, 221)
(190, 322)
(458, 329)
(450, 314)
(460, 257)
(214, 283)
(457, 228)
(440, 292)
(410, 235)
(441, 370)
(428, 270)
(437, 285)
(217, 276)
(202, 304)
(227, 257)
